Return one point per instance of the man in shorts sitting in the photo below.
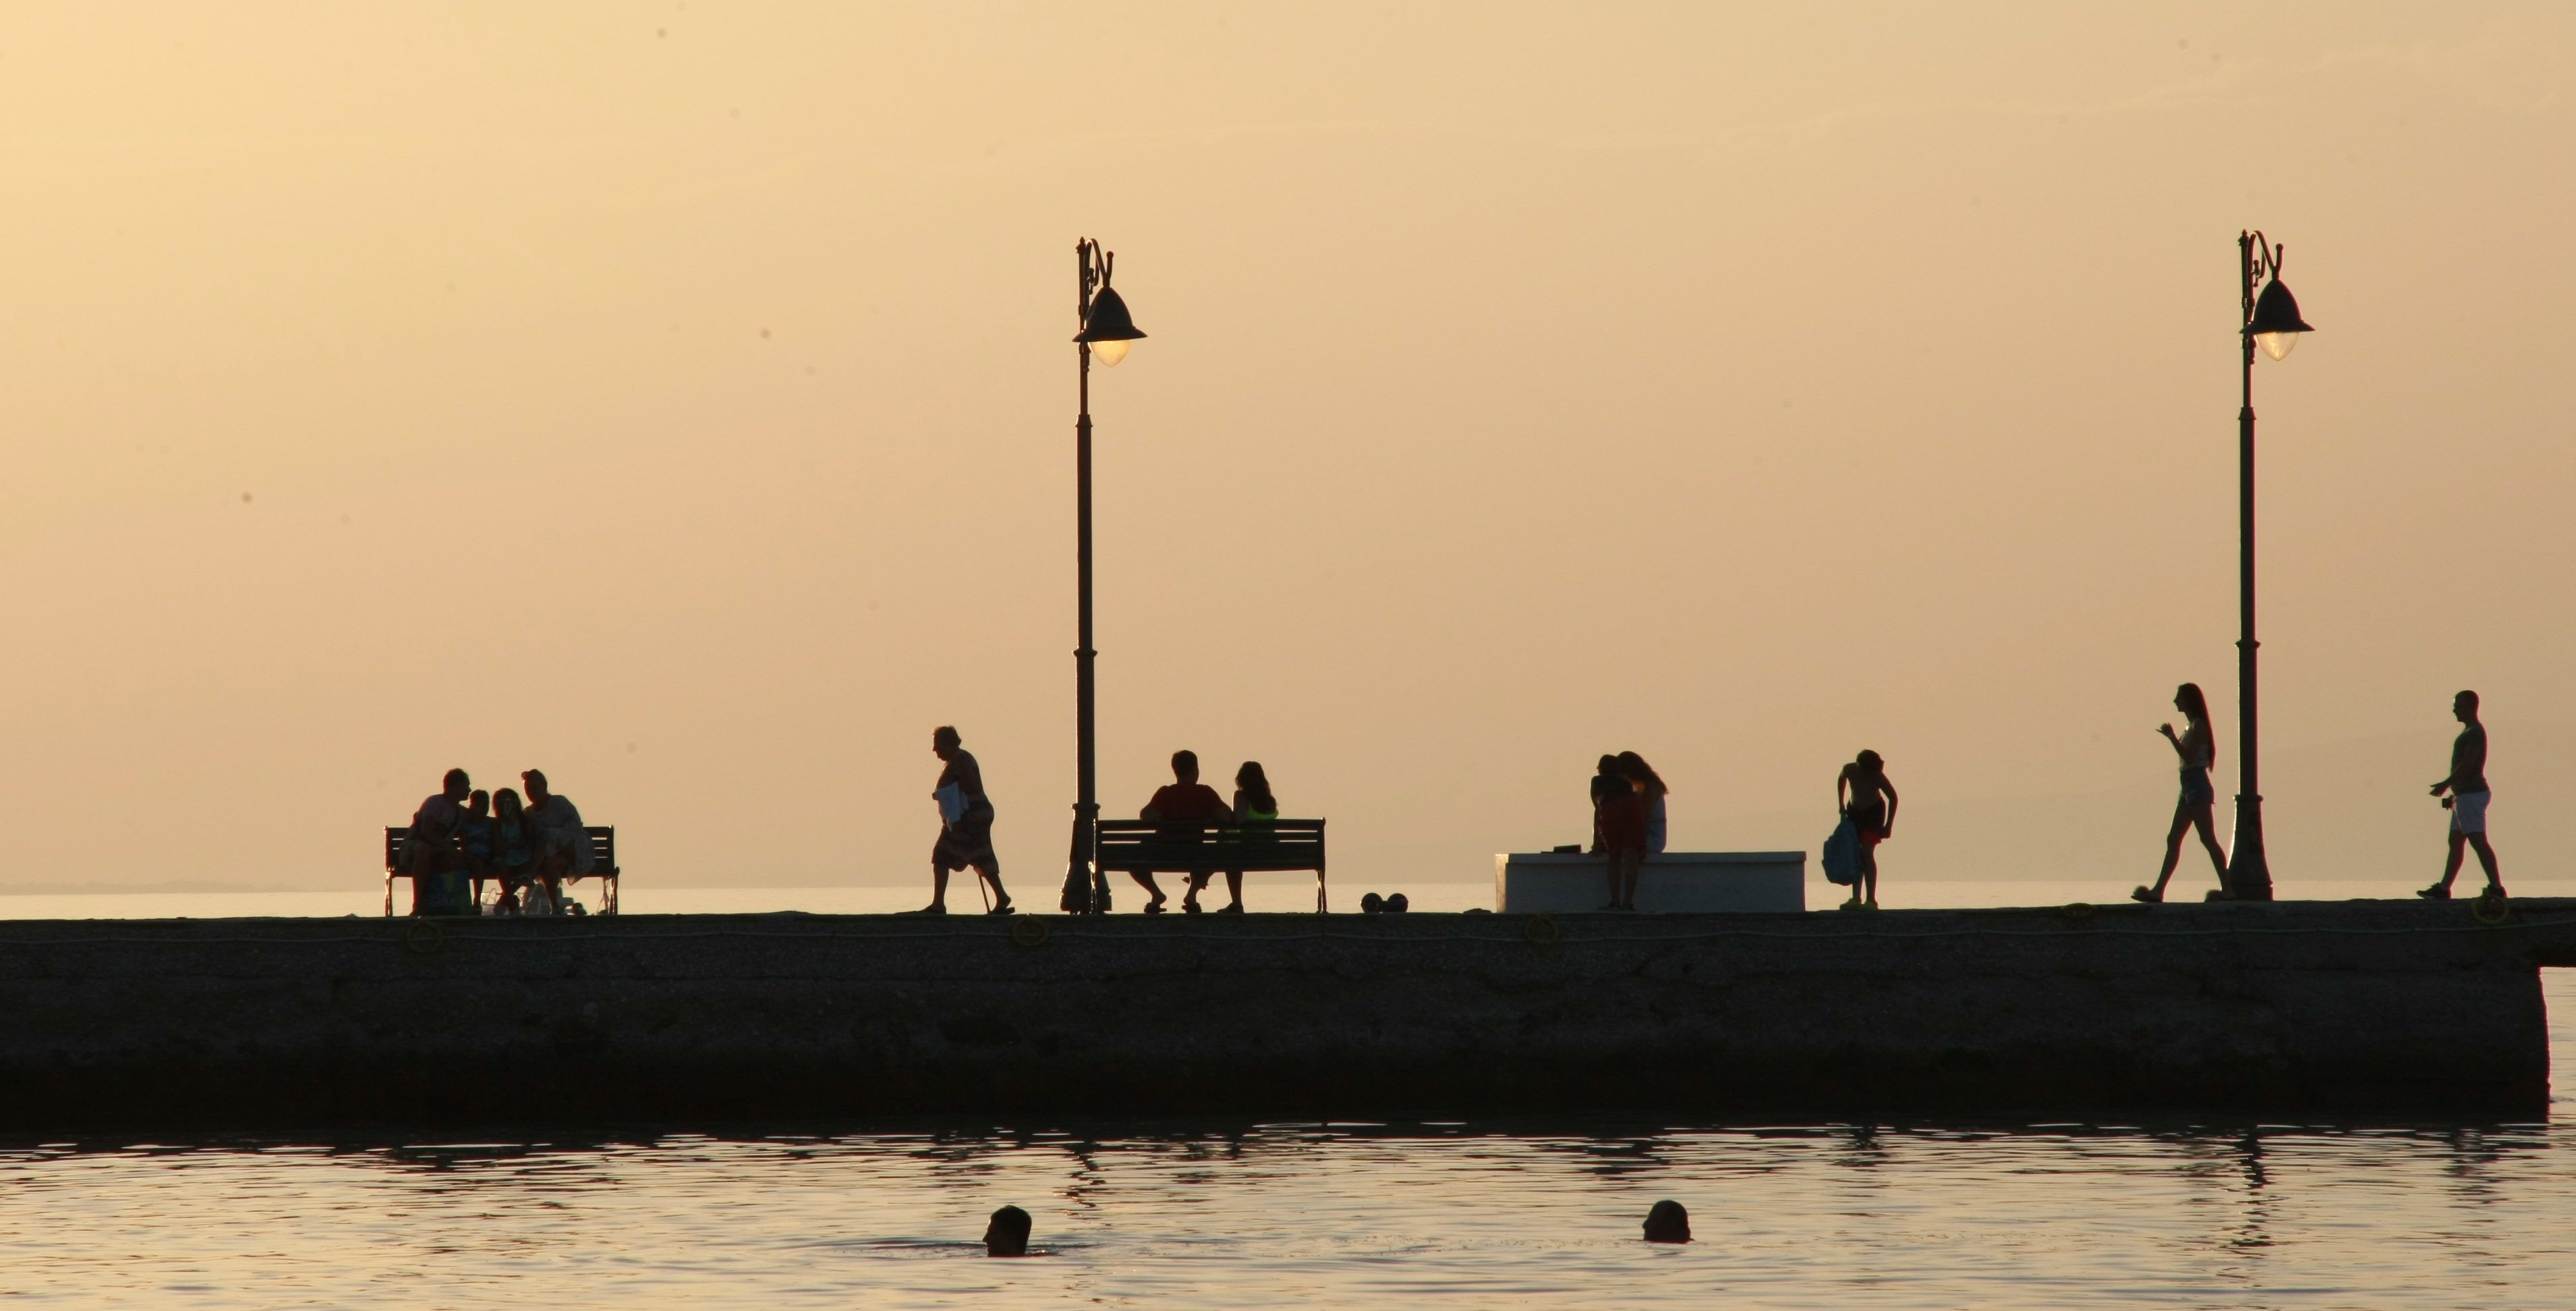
(1185, 801)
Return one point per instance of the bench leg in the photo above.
(1319, 892)
(608, 895)
(389, 896)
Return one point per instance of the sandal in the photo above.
(1155, 907)
(1004, 909)
(1189, 908)
(1235, 909)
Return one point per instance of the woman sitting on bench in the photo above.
(1255, 809)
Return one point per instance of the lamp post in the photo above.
(2271, 322)
(1106, 330)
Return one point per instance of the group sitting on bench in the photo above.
(1188, 829)
(462, 839)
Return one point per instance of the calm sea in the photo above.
(1219, 1214)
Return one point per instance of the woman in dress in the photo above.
(966, 835)
(2197, 746)
(1651, 786)
(1619, 829)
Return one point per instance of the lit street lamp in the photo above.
(2272, 322)
(1106, 331)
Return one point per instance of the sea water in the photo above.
(1218, 1213)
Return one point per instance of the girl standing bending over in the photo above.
(2197, 746)
(1862, 792)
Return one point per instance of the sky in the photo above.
(678, 398)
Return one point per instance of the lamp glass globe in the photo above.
(2278, 345)
(1110, 352)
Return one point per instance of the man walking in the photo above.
(2467, 784)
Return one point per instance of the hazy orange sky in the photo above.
(679, 398)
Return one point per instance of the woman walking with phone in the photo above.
(2197, 746)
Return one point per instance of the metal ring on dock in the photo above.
(424, 937)
(2081, 912)
(1029, 930)
(2492, 910)
(1541, 931)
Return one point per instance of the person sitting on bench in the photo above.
(1255, 809)
(1184, 801)
(562, 844)
(437, 865)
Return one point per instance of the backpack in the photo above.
(1842, 853)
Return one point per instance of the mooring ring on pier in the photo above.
(2079, 912)
(424, 937)
(1541, 931)
(1028, 930)
(2492, 910)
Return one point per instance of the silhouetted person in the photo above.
(965, 824)
(2197, 746)
(1862, 792)
(1255, 809)
(1650, 785)
(562, 845)
(1667, 1222)
(2467, 784)
(1185, 800)
(477, 841)
(1618, 830)
(435, 849)
(514, 850)
(1007, 1233)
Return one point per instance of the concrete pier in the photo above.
(2283, 1009)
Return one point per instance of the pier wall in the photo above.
(2285, 1009)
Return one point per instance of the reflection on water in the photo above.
(1342, 1214)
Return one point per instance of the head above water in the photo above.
(2191, 703)
(456, 785)
(1007, 1234)
(1668, 1222)
(1185, 766)
(2464, 707)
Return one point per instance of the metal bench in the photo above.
(1144, 846)
(603, 864)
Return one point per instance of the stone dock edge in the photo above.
(2284, 1008)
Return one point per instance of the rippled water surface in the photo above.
(1216, 1214)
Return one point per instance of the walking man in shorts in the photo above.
(2467, 784)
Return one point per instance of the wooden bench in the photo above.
(603, 864)
(1144, 846)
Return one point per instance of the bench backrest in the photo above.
(603, 849)
(1138, 844)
